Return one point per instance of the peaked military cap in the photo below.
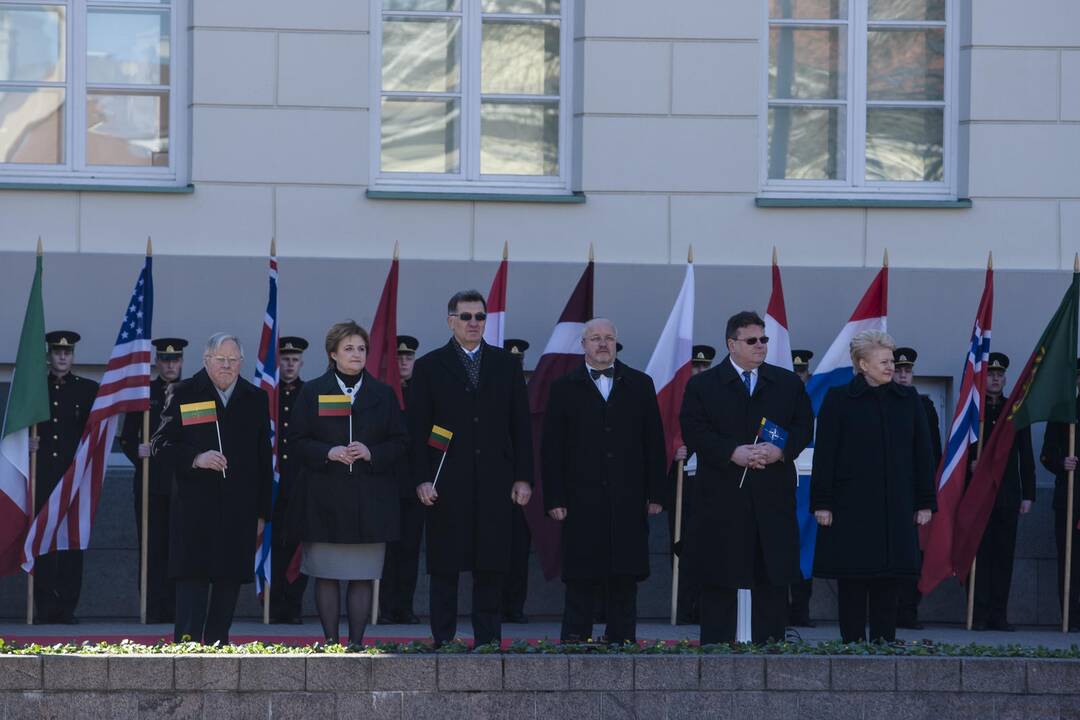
(801, 358)
(904, 356)
(169, 348)
(515, 346)
(62, 338)
(702, 354)
(291, 344)
(998, 361)
(407, 344)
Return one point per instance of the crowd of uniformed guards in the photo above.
(604, 472)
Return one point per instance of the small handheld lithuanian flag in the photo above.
(335, 406)
(198, 413)
(439, 438)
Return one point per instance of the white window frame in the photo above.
(857, 186)
(75, 170)
(469, 179)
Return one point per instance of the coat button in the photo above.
(284, 457)
(478, 452)
(55, 437)
(286, 408)
(607, 429)
(55, 402)
(55, 454)
(476, 419)
(56, 419)
(611, 455)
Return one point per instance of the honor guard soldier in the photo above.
(800, 591)
(286, 598)
(516, 586)
(701, 359)
(58, 575)
(1056, 458)
(398, 586)
(994, 561)
(160, 590)
(909, 596)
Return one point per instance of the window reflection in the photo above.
(32, 126)
(420, 136)
(519, 139)
(807, 143)
(904, 144)
(127, 129)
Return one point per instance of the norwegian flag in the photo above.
(266, 377)
(65, 520)
(964, 432)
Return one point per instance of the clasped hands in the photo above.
(756, 457)
(559, 513)
(348, 454)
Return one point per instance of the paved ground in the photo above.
(248, 630)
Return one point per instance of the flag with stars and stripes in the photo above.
(64, 522)
(266, 377)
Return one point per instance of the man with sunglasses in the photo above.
(749, 534)
(476, 392)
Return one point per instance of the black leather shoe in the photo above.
(978, 626)
(409, 618)
(910, 624)
(517, 617)
(801, 622)
(388, 617)
(296, 620)
(1001, 626)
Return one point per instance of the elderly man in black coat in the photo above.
(603, 458)
(749, 535)
(222, 490)
(477, 392)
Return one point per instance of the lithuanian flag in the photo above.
(439, 438)
(335, 406)
(198, 413)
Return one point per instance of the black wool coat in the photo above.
(604, 461)
(717, 416)
(213, 520)
(872, 470)
(469, 526)
(330, 503)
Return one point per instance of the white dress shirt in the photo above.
(753, 376)
(603, 383)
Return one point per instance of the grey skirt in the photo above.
(339, 561)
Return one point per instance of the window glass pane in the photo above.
(520, 57)
(420, 55)
(127, 47)
(423, 5)
(907, 10)
(807, 143)
(905, 64)
(519, 138)
(32, 126)
(904, 144)
(130, 129)
(32, 43)
(807, 63)
(420, 136)
(541, 7)
(808, 9)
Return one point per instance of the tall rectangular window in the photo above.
(472, 94)
(859, 97)
(88, 91)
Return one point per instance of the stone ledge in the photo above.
(993, 675)
(20, 672)
(206, 672)
(536, 672)
(336, 673)
(863, 673)
(140, 672)
(75, 672)
(470, 672)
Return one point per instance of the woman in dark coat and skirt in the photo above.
(872, 484)
(349, 432)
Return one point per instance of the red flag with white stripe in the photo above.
(495, 329)
(669, 366)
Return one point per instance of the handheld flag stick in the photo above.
(1069, 530)
(440, 440)
(677, 538)
(971, 576)
(33, 504)
(350, 436)
(441, 461)
(221, 449)
(266, 603)
(756, 437)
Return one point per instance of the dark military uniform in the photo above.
(58, 575)
(516, 582)
(286, 598)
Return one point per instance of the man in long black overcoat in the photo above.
(748, 535)
(477, 392)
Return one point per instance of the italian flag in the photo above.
(28, 404)
(335, 405)
(198, 413)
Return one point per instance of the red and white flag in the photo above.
(669, 366)
(65, 520)
(382, 355)
(495, 330)
(776, 327)
(562, 354)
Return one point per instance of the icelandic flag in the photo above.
(266, 377)
(770, 432)
(835, 367)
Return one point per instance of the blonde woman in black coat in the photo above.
(872, 486)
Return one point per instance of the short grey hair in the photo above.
(596, 321)
(220, 338)
(866, 342)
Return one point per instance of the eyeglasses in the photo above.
(222, 360)
(468, 316)
(764, 340)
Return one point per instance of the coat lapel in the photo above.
(449, 358)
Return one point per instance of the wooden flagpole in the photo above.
(144, 511)
(33, 504)
(678, 537)
(1069, 530)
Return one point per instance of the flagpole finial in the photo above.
(990, 261)
(591, 254)
(506, 249)
(40, 250)
(690, 255)
(885, 261)
(395, 249)
(1076, 262)
(149, 247)
(774, 261)
(273, 247)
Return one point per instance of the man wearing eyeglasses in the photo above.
(215, 434)
(476, 392)
(749, 534)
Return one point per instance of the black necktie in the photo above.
(606, 372)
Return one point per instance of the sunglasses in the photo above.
(764, 340)
(468, 316)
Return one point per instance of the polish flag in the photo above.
(495, 330)
(669, 366)
(776, 327)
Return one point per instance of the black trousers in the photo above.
(799, 601)
(516, 583)
(402, 562)
(689, 583)
(994, 565)
(855, 596)
(486, 593)
(204, 609)
(57, 583)
(720, 613)
(1074, 576)
(286, 598)
(160, 589)
(579, 610)
(908, 599)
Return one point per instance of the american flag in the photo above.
(266, 377)
(964, 432)
(64, 522)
